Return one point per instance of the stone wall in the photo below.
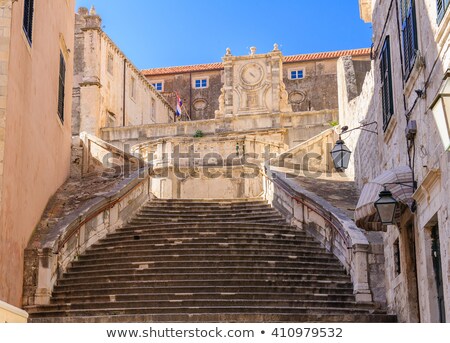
(298, 127)
(108, 89)
(35, 144)
(317, 91)
(426, 156)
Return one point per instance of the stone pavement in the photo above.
(340, 191)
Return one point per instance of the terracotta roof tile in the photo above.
(183, 69)
(286, 59)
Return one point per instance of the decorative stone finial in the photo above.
(83, 11)
(252, 50)
(275, 47)
(92, 11)
(228, 53)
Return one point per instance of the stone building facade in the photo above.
(410, 60)
(36, 63)
(310, 81)
(109, 91)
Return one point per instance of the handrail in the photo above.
(339, 229)
(73, 231)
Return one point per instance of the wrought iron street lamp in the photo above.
(441, 110)
(341, 153)
(386, 207)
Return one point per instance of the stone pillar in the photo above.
(44, 277)
(88, 53)
(228, 85)
(361, 287)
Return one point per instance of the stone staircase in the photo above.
(206, 261)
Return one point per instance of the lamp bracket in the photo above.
(362, 128)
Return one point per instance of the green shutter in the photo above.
(61, 89)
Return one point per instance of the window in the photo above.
(296, 74)
(158, 86)
(28, 11)
(201, 83)
(61, 88)
(409, 35)
(386, 83)
(133, 87)
(110, 64)
(442, 6)
(397, 261)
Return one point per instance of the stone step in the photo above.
(208, 216)
(164, 233)
(161, 232)
(240, 281)
(200, 260)
(199, 304)
(147, 264)
(147, 268)
(167, 250)
(215, 202)
(190, 247)
(185, 297)
(202, 274)
(220, 219)
(204, 241)
(114, 258)
(210, 235)
(179, 309)
(305, 291)
(258, 317)
(202, 210)
(213, 225)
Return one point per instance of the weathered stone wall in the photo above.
(35, 145)
(108, 89)
(199, 103)
(356, 90)
(299, 127)
(315, 92)
(429, 161)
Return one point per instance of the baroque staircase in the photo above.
(206, 261)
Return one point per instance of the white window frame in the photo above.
(296, 70)
(194, 86)
(153, 83)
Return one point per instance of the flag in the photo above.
(179, 104)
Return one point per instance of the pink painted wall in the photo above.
(37, 143)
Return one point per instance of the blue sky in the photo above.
(159, 33)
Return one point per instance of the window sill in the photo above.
(410, 82)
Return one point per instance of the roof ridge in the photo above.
(287, 59)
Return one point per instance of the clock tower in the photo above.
(253, 84)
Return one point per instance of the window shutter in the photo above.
(386, 83)
(409, 35)
(61, 91)
(28, 12)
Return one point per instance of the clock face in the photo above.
(252, 74)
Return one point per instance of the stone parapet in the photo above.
(331, 227)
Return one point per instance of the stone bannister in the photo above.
(361, 258)
(49, 254)
(312, 155)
